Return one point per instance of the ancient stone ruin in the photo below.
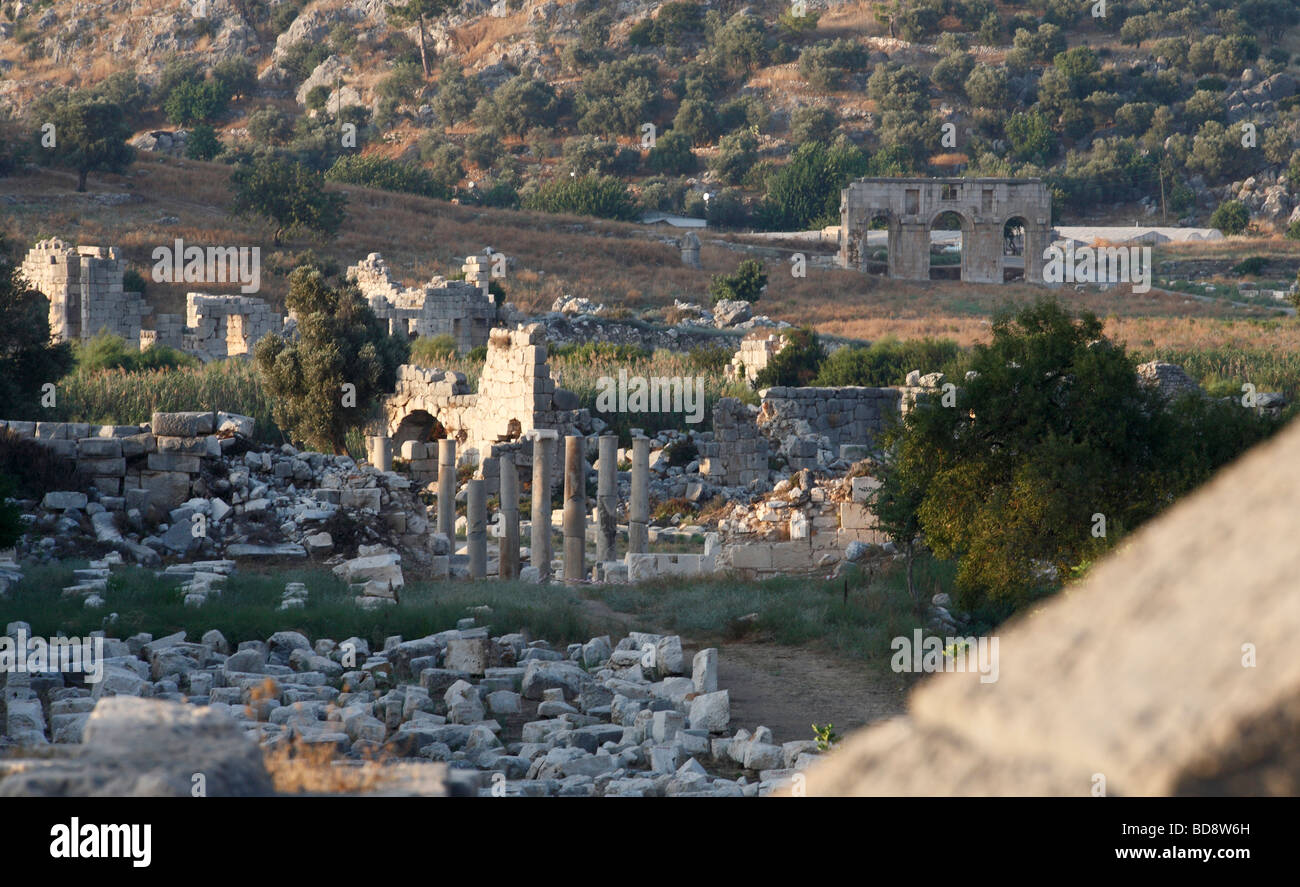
(217, 327)
(85, 289)
(1005, 225)
(515, 395)
(84, 286)
(464, 310)
(753, 355)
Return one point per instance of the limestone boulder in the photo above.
(149, 748)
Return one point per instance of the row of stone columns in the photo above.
(574, 526)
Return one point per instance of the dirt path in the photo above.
(788, 689)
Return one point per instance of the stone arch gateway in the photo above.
(910, 205)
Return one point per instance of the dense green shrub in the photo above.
(1051, 430)
(194, 102)
(805, 193)
(433, 351)
(374, 171)
(457, 94)
(340, 341)
(737, 152)
(746, 283)
(812, 124)
(1231, 217)
(202, 143)
(796, 364)
(741, 44)
(518, 105)
(675, 23)
(601, 196)
(826, 65)
(886, 362)
(105, 351)
(672, 154)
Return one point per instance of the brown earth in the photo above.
(788, 689)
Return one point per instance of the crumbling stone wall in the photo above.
(85, 289)
(809, 425)
(754, 355)
(516, 394)
(217, 327)
(460, 309)
(169, 330)
(737, 455)
(155, 463)
(910, 206)
(808, 524)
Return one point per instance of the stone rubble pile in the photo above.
(193, 485)
(507, 715)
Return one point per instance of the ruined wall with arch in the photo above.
(516, 394)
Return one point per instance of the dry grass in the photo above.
(849, 20)
(301, 768)
(417, 236)
(480, 39)
(622, 265)
(1235, 248)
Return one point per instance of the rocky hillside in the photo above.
(756, 113)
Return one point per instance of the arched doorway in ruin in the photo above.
(878, 245)
(418, 425)
(948, 234)
(1014, 241)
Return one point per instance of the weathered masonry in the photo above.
(85, 289)
(1005, 225)
(463, 310)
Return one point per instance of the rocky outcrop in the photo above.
(1169, 379)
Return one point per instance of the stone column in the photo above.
(575, 510)
(381, 452)
(476, 521)
(607, 499)
(508, 552)
(543, 447)
(447, 490)
(638, 509)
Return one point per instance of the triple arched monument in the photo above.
(1005, 226)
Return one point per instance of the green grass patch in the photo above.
(1222, 370)
(792, 610)
(247, 608)
(795, 611)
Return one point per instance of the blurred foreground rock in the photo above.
(1141, 674)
